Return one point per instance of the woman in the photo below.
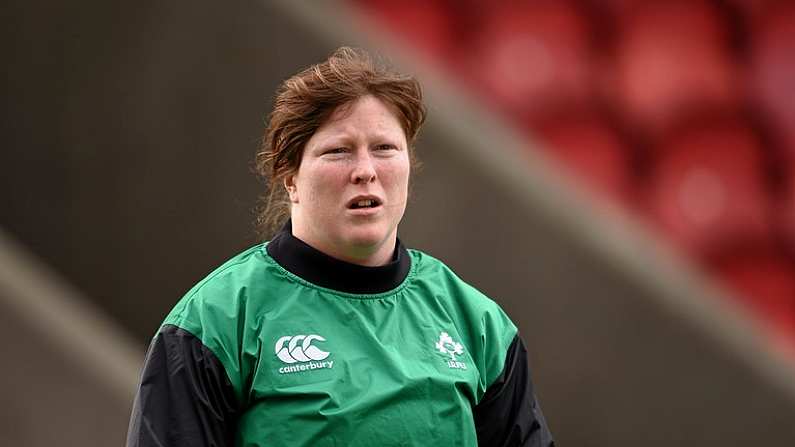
(333, 333)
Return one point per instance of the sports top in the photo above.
(283, 345)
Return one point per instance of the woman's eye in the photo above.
(336, 150)
(384, 147)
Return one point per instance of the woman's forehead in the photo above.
(365, 115)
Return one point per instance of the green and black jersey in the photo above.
(285, 346)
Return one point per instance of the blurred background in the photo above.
(618, 174)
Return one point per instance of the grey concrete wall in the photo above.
(128, 132)
(68, 372)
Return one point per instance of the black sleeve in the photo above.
(508, 414)
(185, 397)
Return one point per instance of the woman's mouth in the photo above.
(367, 203)
(364, 206)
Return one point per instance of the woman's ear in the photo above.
(292, 191)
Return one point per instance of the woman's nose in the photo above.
(363, 171)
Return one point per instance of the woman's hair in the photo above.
(306, 100)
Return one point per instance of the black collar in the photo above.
(311, 264)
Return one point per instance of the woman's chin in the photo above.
(370, 238)
(366, 241)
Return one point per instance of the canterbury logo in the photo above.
(298, 348)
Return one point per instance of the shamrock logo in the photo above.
(446, 345)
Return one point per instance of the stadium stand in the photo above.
(764, 281)
(707, 187)
(594, 150)
(525, 57)
(671, 56)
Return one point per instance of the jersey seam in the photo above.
(180, 324)
(491, 381)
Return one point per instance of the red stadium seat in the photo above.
(772, 73)
(529, 55)
(708, 188)
(746, 8)
(593, 152)
(671, 57)
(427, 25)
(786, 208)
(764, 281)
(751, 8)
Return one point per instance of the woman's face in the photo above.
(350, 190)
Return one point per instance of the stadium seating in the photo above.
(671, 56)
(772, 73)
(528, 56)
(707, 187)
(785, 209)
(427, 25)
(593, 150)
(764, 281)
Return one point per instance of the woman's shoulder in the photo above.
(443, 281)
(224, 293)
(479, 321)
(236, 271)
